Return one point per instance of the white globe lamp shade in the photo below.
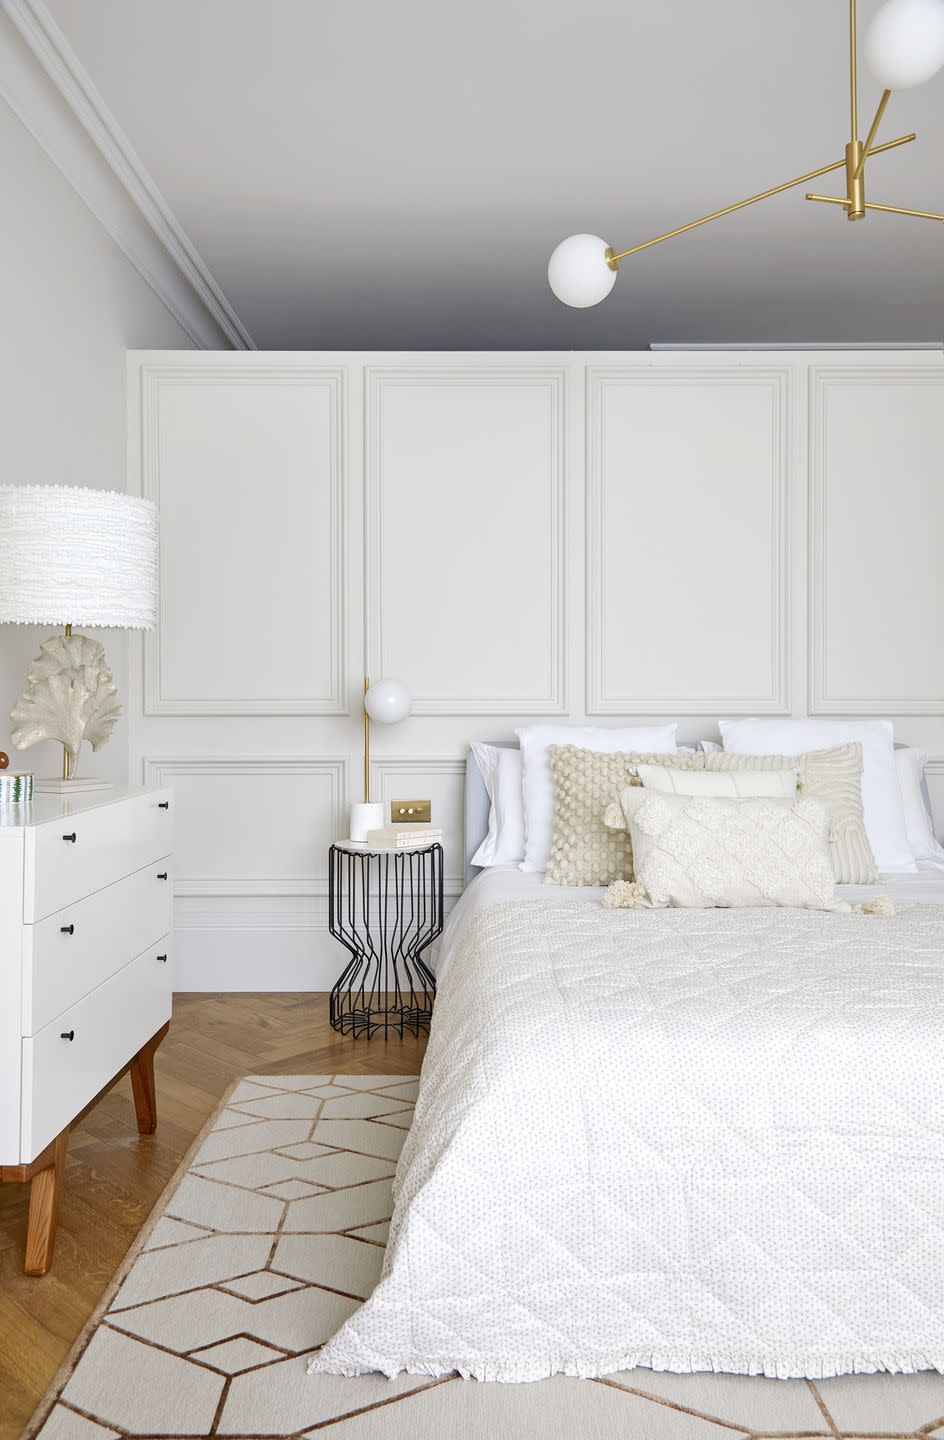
(578, 273)
(904, 45)
(71, 556)
(388, 702)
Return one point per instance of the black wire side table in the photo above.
(386, 908)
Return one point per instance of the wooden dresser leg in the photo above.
(45, 1189)
(142, 1083)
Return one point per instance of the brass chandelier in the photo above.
(904, 47)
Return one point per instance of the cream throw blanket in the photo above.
(686, 1139)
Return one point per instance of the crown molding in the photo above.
(48, 89)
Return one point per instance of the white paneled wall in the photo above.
(513, 536)
(688, 480)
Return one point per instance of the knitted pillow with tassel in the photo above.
(586, 783)
(835, 778)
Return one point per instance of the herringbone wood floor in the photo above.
(114, 1176)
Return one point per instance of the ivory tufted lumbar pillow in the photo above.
(701, 852)
(835, 778)
(586, 782)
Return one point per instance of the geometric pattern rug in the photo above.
(267, 1239)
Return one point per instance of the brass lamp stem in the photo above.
(613, 259)
(65, 753)
(873, 128)
(855, 181)
(853, 76)
(366, 746)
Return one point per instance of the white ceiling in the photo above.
(393, 174)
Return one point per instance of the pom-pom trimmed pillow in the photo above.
(704, 852)
(835, 778)
(586, 782)
(538, 779)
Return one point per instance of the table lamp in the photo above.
(71, 556)
(387, 702)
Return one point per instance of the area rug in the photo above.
(268, 1237)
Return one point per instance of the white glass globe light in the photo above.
(388, 702)
(904, 44)
(578, 273)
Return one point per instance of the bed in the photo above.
(688, 1140)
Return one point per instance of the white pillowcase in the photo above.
(538, 782)
(500, 767)
(919, 827)
(730, 784)
(881, 794)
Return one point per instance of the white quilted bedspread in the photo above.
(683, 1139)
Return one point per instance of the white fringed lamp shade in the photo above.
(70, 556)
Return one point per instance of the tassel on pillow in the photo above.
(613, 817)
(624, 894)
(882, 905)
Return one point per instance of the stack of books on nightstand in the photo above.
(403, 837)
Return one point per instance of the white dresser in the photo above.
(86, 897)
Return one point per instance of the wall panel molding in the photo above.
(381, 567)
(824, 382)
(707, 456)
(165, 769)
(602, 381)
(155, 379)
(437, 769)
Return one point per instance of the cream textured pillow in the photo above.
(537, 781)
(583, 850)
(732, 784)
(704, 852)
(835, 778)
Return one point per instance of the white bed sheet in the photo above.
(503, 883)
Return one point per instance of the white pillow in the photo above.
(881, 795)
(538, 782)
(733, 784)
(919, 826)
(501, 770)
(703, 852)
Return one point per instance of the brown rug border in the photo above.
(77, 1349)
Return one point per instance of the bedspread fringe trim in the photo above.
(544, 1368)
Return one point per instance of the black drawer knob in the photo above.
(163, 959)
(66, 929)
(67, 1035)
(70, 837)
(163, 804)
(162, 874)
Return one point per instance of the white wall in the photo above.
(71, 307)
(514, 536)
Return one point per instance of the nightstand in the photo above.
(386, 908)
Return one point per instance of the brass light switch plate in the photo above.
(411, 812)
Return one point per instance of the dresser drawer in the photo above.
(110, 841)
(61, 1076)
(72, 952)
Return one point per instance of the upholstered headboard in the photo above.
(476, 808)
